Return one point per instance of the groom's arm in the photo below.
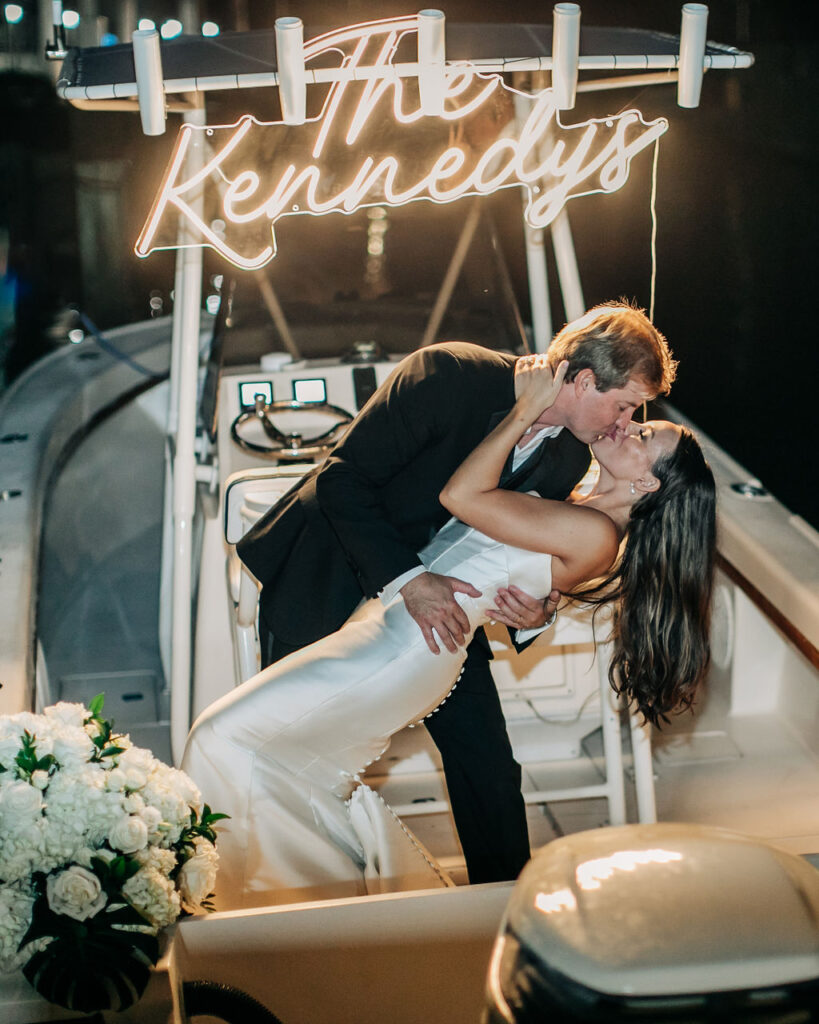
(407, 441)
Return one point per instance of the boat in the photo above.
(204, 418)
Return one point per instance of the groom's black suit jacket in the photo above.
(357, 522)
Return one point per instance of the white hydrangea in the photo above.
(21, 854)
(73, 715)
(71, 747)
(9, 744)
(154, 895)
(15, 916)
(157, 858)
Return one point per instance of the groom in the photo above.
(352, 528)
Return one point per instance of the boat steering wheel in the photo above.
(291, 446)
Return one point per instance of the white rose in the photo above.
(20, 803)
(197, 876)
(133, 803)
(76, 893)
(152, 818)
(39, 779)
(115, 780)
(135, 778)
(129, 834)
(136, 757)
(68, 714)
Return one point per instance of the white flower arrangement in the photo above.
(101, 846)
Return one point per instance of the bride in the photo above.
(283, 753)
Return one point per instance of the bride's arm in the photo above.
(583, 541)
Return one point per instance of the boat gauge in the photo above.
(310, 392)
(249, 390)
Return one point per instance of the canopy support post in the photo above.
(187, 314)
(692, 54)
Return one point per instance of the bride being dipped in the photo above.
(282, 754)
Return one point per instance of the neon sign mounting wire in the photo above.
(653, 207)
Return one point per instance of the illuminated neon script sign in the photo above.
(371, 145)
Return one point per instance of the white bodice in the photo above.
(459, 550)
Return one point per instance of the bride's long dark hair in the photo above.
(662, 585)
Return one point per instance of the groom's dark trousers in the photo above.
(357, 522)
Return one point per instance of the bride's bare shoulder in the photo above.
(590, 547)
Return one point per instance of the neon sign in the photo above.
(371, 145)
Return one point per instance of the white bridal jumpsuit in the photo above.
(281, 754)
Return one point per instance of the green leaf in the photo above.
(96, 704)
(114, 874)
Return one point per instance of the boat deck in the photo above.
(746, 759)
(751, 773)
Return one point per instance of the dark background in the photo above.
(736, 205)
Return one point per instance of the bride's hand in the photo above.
(535, 385)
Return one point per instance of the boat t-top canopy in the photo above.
(248, 60)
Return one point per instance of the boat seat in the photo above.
(248, 494)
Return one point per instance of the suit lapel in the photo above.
(551, 469)
(512, 479)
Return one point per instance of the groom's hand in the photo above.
(516, 609)
(430, 600)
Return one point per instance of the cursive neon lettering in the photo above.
(371, 145)
(488, 160)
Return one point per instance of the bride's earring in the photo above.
(632, 488)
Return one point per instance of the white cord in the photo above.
(654, 228)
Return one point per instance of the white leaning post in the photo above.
(431, 61)
(692, 54)
(290, 64)
(187, 306)
(565, 53)
(612, 743)
(643, 769)
(149, 81)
